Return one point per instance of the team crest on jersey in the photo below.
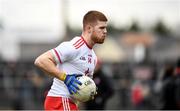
(89, 60)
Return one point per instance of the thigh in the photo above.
(59, 103)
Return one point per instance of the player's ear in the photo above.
(89, 28)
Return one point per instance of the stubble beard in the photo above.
(98, 40)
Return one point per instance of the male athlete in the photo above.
(71, 59)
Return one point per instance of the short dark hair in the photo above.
(92, 17)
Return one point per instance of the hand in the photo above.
(72, 83)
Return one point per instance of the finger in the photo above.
(73, 89)
(78, 82)
(70, 91)
(75, 86)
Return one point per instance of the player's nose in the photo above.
(105, 31)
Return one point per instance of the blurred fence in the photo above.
(23, 86)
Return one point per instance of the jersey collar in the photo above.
(86, 43)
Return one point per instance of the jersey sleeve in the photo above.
(62, 53)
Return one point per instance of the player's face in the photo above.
(99, 32)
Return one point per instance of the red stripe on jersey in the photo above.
(77, 41)
(57, 56)
(80, 45)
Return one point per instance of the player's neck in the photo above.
(88, 40)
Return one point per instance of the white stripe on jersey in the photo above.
(55, 56)
(68, 103)
(66, 106)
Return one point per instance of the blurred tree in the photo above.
(71, 32)
(134, 27)
(114, 30)
(161, 28)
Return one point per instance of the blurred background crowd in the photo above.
(138, 63)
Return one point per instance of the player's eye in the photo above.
(102, 27)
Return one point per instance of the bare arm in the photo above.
(47, 64)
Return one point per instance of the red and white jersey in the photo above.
(73, 57)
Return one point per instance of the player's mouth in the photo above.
(104, 36)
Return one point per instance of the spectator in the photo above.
(177, 85)
(104, 92)
(140, 95)
(168, 89)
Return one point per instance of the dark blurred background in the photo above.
(143, 43)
